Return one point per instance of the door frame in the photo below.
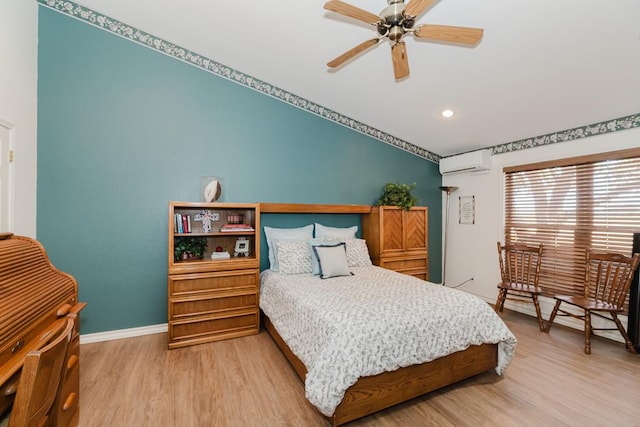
(7, 212)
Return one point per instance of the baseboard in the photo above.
(123, 333)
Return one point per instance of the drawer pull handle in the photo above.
(64, 310)
(69, 402)
(73, 360)
(17, 346)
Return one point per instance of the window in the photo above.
(571, 205)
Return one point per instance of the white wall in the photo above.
(18, 93)
(472, 248)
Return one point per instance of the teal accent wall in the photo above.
(123, 130)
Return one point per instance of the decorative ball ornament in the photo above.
(212, 191)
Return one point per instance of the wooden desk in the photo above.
(34, 295)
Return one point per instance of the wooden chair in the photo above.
(40, 378)
(520, 269)
(607, 280)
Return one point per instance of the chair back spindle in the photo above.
(519, 263)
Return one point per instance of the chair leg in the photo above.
(504, 299)
(587, 331)
(538, 313)
(553, 315)
(502, 293)
(630, 347)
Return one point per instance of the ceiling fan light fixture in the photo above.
(447, 114)
(395, 33)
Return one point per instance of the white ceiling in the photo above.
(543, 65)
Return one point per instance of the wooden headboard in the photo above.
(313, 208)
(290, 215)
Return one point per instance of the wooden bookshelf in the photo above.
(213, 299)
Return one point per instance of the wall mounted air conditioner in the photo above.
(468, 162)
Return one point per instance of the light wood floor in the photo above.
(247, 382)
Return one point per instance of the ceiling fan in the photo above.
(396, 20)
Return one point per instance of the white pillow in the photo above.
(332, 260)
(324, 232)
(272, 234)
(294, 256)
(315, 267)
(358, 253)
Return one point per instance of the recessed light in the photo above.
(447, 114)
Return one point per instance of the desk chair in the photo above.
(40, 378)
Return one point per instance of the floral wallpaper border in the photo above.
(123, 30)
(615, 125)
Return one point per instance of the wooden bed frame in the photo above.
(374, 393)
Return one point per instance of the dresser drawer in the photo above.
(191, 284)
(211, 328)
(215, 303)
(404, 263)
(420, 273)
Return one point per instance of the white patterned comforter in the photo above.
(377, 320)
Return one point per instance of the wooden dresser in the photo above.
(213, 298)
(398, 239)
(33, 295)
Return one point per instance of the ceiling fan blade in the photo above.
(352, 52)
(400, 60)
(351, 11)
(445, 33)
(417, 7)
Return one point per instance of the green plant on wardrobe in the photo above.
(396, 194)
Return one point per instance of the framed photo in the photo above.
(242, 247)
(467, 209)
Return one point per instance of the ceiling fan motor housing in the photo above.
(392, 14)
(394, 24)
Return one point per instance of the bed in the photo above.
(371, 338)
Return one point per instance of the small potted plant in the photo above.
(186, 248)
(396, 194)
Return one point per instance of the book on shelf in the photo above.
(182, 223)
(236, 227)
(178, 223)
(185, 227)
(220, 255)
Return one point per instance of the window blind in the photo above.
(571, 205)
